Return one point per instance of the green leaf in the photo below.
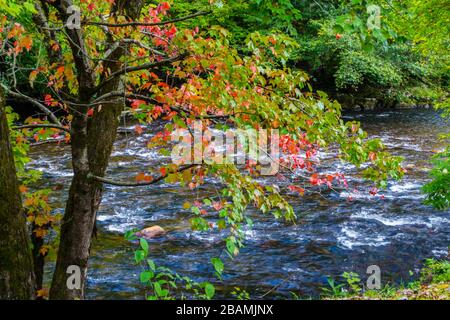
(157, 288)
(231, 246)
(144, 245)
(146, 276)
(139, 255)
(29, 7)
(218, 265)
(130, 235)
(151, 264)
(209, 290)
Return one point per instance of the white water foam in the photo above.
(350, 238)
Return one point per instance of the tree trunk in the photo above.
(78, 221)
(16, 264)
(92, 142)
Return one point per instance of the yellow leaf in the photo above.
(186, 205)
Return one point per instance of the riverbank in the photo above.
(432, 284)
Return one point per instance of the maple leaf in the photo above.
(48, 100)
(373, 191)
(299, 190)
(142, 177)
(217, 205)
(138, 129)
(40, 233)
(314, 179)
(42, 293)
(43, 251)
(60, 70)
(186, 205)
(165, 5)
(136, 103)
(26, 42)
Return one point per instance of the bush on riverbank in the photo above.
(338, 51)
(433, 284)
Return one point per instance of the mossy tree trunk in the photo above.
(16, 263)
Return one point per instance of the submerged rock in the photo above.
(151, 232)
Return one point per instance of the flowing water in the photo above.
(332, 234)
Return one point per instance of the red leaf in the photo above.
(48, 100)
(300, 190)
(314, 179)
(217, 205)
(138, 129)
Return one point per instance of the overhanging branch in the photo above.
(145, 24)
(43, 108)
(42, 125)
(139, 184)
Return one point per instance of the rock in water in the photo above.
(151, 232)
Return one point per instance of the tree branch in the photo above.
(41, 20)
(43, 108)
(139, 184)
(144, 66)
(42, 125)
(75, 37)
(146, 24)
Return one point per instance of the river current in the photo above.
(331, 235)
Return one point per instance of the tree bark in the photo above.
(16, 264)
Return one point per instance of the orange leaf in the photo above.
(138, 129)
(43, 251)
(26, 42)
(140, 177)
(148, 178)
(42, 293)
